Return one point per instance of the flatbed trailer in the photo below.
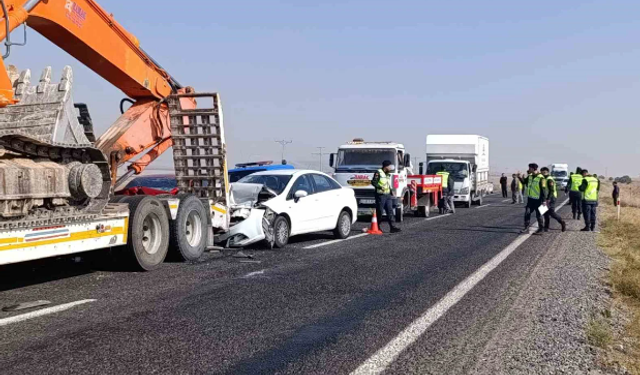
(425, 192)
(146, 227)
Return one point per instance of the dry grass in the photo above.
(621, 240)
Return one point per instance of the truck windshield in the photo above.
(459, 171)
(561, 174)
(277, 183)
(364, 158)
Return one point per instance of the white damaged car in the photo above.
(274, 205)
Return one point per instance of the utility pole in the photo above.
(321, 154)
(283, 143)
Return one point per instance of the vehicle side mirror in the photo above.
(407, 160)
(331, 159)
(474, 168)
(299, 194)
(421, 165)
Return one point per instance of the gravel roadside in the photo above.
(545, 330)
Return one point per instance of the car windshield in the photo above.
(364, 158)
(459, 171)
(159, 183)
(561, 174)
(275, 182)
(237, 175)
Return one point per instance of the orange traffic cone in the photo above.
(374, 225)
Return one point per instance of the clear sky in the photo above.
(545, 81)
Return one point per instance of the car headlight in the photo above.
(464, 190)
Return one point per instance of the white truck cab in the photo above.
(560, 173)
(355, 164)
(466, 158)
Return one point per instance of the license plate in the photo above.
(359, 183)
(368, 201)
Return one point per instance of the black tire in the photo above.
(118, 198)
(281, 231)
(188, 238)
(343, 226)
(147, 212)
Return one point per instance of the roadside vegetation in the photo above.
(620, 336)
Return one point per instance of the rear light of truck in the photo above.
(396, 181)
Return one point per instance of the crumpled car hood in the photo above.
(248, 195)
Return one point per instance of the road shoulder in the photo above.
(544, 332)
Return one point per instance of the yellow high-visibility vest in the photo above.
(383, 183)
(576, 181)
(534, 186)
(445, 179)
(591, 193)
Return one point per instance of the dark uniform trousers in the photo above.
(384, 203)
(576, 202)
(551, 213)
(532, 205)
(589, 212)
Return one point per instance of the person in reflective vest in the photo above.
(384, 201)
(536, 195)
(447, 190)
(516, 189)
(575, 196)
(590, 189)
(552, 196)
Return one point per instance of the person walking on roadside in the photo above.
(384, 200)
(590, 189)
(552, 197)
(575, 196)
(516, 189)
(503, 184)
(616, 193)
(525, 193)
(536, 196)
(447, 190)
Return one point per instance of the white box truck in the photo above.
(466, 158)
(560, 173)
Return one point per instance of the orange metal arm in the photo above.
(91, 35)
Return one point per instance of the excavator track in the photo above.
(51, 172)
(198, 150)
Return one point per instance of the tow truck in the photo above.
(58, 181)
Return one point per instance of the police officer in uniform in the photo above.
(575, 196)
(552, 196)
(447, 189)
(590, 189)
(384, 200)
(536, 194)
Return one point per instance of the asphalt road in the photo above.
(316, 307)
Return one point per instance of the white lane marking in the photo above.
(485, 205)
(256, 273)
(47, 311)
(335, 241)
(506, 200)
(379, 361)
(436, 217)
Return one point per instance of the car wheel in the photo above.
(281, 232)
(343, 227)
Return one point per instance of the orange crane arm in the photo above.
(90, 34)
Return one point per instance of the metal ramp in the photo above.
(199, 150)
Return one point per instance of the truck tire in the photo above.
(281, 232)
(343, 227)
(188, 231)
(148, 232)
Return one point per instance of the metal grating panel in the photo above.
(199, 154)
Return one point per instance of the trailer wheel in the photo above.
(148, 232)
(188, 237)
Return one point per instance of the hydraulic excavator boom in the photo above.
(90, 34)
